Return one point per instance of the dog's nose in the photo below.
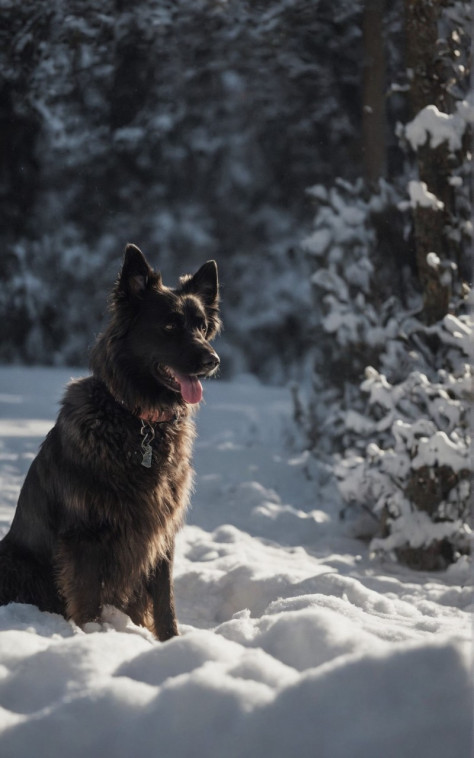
(211, 362)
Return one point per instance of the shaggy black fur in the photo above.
(95, 521)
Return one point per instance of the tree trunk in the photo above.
(373, 85)
(428, 88)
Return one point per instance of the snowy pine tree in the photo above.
(399, 431)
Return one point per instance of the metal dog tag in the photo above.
(148, 434)
(147, 455)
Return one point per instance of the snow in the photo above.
(439, 450)
(293, 640)
(318, 242)
(433, 260)
(420, 195)
(440, 127)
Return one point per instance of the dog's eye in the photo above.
(169, 327)
(203, 328)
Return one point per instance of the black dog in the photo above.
(98, 512)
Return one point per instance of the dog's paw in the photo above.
(92, 626)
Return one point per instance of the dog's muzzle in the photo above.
(210, 363)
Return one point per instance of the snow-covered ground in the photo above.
(294, 642)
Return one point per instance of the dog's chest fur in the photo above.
(103, 486)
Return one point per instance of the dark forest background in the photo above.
(192, 129)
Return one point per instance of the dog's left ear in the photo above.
(205, 283)
(136, 273)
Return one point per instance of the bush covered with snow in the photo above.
(392, 382)
(354, 309)
(411, 467)
(400, 435)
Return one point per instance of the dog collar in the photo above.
(152, 416)
(158, 417)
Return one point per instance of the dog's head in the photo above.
(158, 343)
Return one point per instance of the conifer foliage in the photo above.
(392, 380)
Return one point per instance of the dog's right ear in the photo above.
(136, 274)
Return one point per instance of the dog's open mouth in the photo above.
(189, 386)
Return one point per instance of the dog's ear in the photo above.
(205, 284)
(136, 274)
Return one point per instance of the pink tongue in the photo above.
(191, 388)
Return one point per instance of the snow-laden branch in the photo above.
(431, 123)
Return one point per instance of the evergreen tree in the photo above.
(399, 430)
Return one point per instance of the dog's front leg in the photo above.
(79, 578)
(161, 590)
